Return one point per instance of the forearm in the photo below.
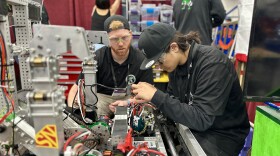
(71, 95)
(115, 6)
(183, 113)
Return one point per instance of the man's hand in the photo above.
(143, 91)
(113, 105)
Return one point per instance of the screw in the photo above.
(22, 134)
(40, 37)
(78, 30)
(58, 38)
(49, 51)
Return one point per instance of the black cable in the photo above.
(96, 143)
(66, 117)
(89, 104)
(19, 122)
(101, 85)
(15, 148)
(94, 95)
(18, 152)
(82, 100)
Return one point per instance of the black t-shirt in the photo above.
(97, 21)
(209, 102)
(104, 74)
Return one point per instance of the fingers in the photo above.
(112, 108)
(139, 85)
(134, 86)
(141, 101)
(116, 103)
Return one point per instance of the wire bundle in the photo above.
(2, 78)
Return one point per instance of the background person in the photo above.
(101, 11)
(198, 15)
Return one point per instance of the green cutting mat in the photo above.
(266, 138)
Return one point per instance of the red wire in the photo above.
(3, 78)
(143, 147)
(70, 139)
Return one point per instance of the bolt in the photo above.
(12, 60)
(78, 30)
(49, 51)
(32, 50)
(58, 38)
(40, 37)
(22, 134)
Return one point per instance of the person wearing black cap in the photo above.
(115, 63)
(203, 91)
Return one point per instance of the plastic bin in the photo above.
(145, 24)
(135, 41)
(134, 26)
(134, 15)
(150, 13)
(166, 16)
(134, 4)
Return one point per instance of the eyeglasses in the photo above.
(123, 39)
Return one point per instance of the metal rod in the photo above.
(169, 141)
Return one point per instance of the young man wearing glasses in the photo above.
(115, 63)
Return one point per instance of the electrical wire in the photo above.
(90, 149)
(2, 71)
(101, 85)
(98, 84)
(68, 141)
(80, 102)
(77, 148)
(83, 134)
(144, 147)
(3, 55)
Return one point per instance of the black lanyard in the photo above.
(113, 73)
(183, 92)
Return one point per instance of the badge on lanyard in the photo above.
(121, 92)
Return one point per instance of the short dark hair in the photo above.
(103, 4)
(184, 41)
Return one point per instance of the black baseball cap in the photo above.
(120, 18)
(153, 41)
